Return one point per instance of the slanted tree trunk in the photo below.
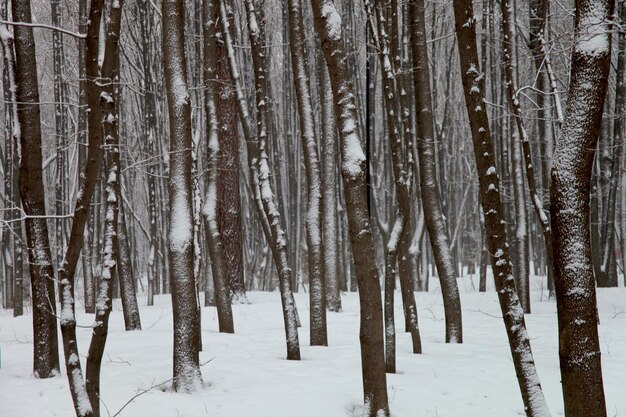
(329, 28)
(431, 199)
(45, 339)
(214, 238)
(187, 376)
(266, 209)
(317, 295)
(579, 348)
(401, 172)
(110, 267)
(67, 269)
(512, 312)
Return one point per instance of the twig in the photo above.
(42, 26)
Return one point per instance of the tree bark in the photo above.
(45, 339)
(317, 293)
(210, 211)
(431, 198)
(187, 376)
(579, 349)
(329, 28)
(513, 314)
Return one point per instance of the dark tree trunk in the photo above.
(579, 348)
(329, 28)
(45, 339)
(214, 238)
(431, 199)
(229, 203)
(484, 153)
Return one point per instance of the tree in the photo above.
(329, 28)
(579, 348)
(513, 314)
(317, 293)
(187, 376)
(264, 201)
(229, 205)
(214, 237)
(429, 188)
(45, 339)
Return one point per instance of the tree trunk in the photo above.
(317, 293)
(329, 191)
(125, 274)
(579, 348)
(431, 199)
(187, 376)
(210, 211)
(267, 212)
(513, 314)
(45, 339)
(229, 203)
(329, 28)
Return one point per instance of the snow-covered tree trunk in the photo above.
(579, 348)
(429, 189)
(11, 232)
(521, 259)
(60, 129)
(510, 75)
(329, 190)
(89, 178)
(267, 212)
(329, 28)
(125, 273)
(317, 293)
(484, 154)
(213, 236)
(113, 200)
(402, 174)
(187, 376)
(45, 339)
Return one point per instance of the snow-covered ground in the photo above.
(246, 374)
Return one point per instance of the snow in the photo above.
(594, 32)
(248, 375)
(333, 20)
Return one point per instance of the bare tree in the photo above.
(497, 246)
(579, 348)
(263, 194)
(329, 28)
(431, 198)
(45, 339)
(187, 376)
(317, 288)
(214, 238)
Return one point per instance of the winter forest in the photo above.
(297, 208)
